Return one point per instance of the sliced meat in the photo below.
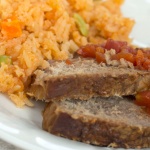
(83, 79)
(112, 121)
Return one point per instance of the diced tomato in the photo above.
(68, 62)
(143, 99)
(129, 49)
(139, 58)
(88, 51)
(100, 49)
(100, 57)
(117, 45)
(146, 64)
(127, 56)
(147, 54)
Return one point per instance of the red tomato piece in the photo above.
(100, 57)
(146, 64)
(127, 56)
(128, 49)
(68, 62)
(139, 59)
(88, 51)
(100, 49)
(143, 99)
(117, 45)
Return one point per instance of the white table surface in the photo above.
(6, 146)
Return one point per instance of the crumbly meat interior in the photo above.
(85, 77)
(113, 108)
(113, 121)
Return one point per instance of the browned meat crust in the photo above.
(113, 122)
(85, 79)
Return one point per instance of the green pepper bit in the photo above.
(81, 24)
(5, 59)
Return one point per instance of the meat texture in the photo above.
(84, 79)
(114, 121)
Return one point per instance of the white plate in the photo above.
(22, 127)
(139, 10)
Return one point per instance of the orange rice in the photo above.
(33, 31)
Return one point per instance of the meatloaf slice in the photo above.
(83, 79)
(114, 121)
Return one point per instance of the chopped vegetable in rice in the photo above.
(33, 31)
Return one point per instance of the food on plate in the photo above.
(96, 102)
(34, 31)
(83, 78)
(62, 52)
(143, 99)
(138, 57)
(112, 122)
